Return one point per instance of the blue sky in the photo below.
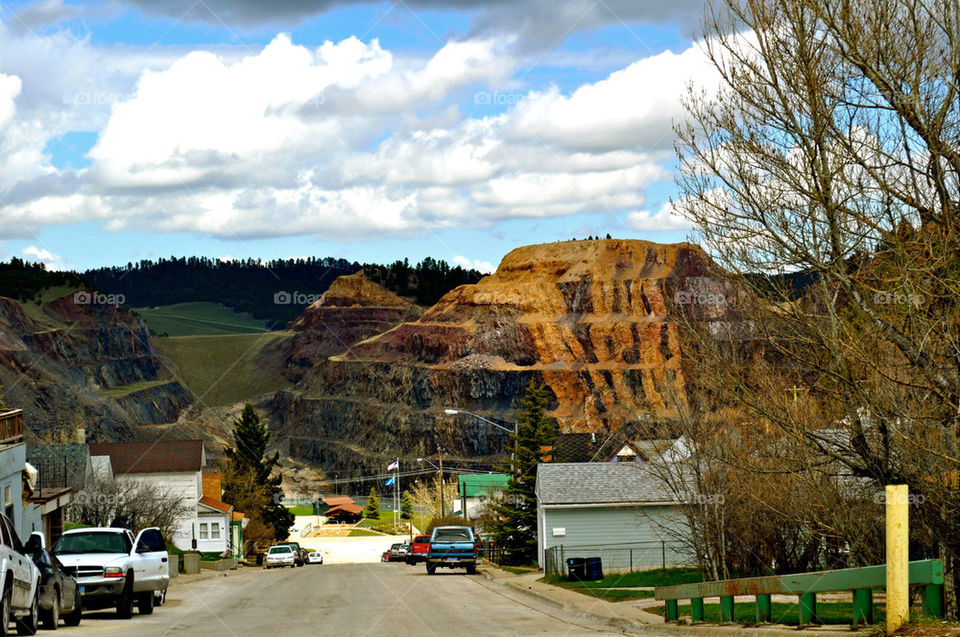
(370, 131)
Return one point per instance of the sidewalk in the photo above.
(630, 615)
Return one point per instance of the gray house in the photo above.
(584, 506)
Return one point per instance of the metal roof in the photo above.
(167, 456)
(599, 483)
(472, 485)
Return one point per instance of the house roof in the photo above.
(172, 456)
(334, 500)
(354, 509)
(599, 483)
(472, 485)
(213, 503)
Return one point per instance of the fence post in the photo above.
(663, 553)
(631, 560)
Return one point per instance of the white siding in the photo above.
(13, 460)
(211, 544)
(188, 486)
(610, 526)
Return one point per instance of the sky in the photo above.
(370, 131)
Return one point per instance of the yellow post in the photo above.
(898, 557)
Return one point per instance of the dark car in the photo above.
(300, 554)
(60, 594)
(397, 553)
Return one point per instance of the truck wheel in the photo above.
(125, 603)
(431, 569)
(27, 625)
(73, 618)
(471, 570)
(160, 597)
(145, 603)
(51, 618)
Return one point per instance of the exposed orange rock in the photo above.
(595, 320)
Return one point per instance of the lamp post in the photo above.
(454, 412)
(439, 471)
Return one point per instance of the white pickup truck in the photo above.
(113, 568)
(21, 583)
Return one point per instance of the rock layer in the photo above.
(596, 321)
(352, 309)
(60, 366)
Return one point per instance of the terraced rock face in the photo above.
(351, 310)
(596, 321)
(68, 368)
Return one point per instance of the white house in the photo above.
(616, 506)
(175, 466)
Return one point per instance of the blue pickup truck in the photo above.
(452, 547)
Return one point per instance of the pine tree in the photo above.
(250, 437)
(406, 505)
(516, 528)
(372, 510)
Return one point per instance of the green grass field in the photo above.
(197, 319)
(35, 310)
(301, 510)
(225, 369)
(653, 577)
(363, 533)
(124, 390)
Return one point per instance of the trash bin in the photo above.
(593, 569)
(576, 569)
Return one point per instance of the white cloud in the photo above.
(42, 255)
(666, 218)
(347, 140)
(9, 90)
(481, 266)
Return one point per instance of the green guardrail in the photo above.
(860, 581)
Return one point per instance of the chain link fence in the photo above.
(619, 558)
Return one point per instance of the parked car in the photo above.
(452, 547)
(59, 592)
(280, 555)
(21, 597)
(386, 556)
(300, 555)
(395, 554)
(419, 549)
(315, 557)
(114, 568)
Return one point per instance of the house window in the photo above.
(203, 531)
(214, 530)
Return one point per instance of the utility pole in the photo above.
(440, 458)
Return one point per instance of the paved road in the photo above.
(344, 599)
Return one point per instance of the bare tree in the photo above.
(824, 178)
(133, 504)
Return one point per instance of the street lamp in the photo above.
(440, 471)
(454, 412)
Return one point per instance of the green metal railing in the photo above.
(860, 581)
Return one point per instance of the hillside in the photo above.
(197, 319)
(76, 362)
(596, 321)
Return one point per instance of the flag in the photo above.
(393, 465)
(390, 481)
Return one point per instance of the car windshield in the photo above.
(281, 549)
(77, 543)
(452, 535)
